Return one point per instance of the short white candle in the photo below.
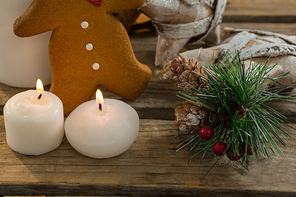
(102, 134)
(34, 126)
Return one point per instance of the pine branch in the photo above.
(235, 96)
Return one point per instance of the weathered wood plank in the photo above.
(159, 99)
(256, 11)
(263, 11)
(150, 168)
(284, 28)
(157, 102)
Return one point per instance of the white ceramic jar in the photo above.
(22, 60)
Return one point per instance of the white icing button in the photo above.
(96, 66)
(89, 47)
(84, 24)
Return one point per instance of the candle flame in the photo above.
(39, 85)
(99, 97)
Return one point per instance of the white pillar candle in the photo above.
(34, 124)
(22, 60)
(102, 134)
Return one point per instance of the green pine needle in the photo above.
(235, 96)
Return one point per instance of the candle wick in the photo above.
(100, 106)
(39, 97)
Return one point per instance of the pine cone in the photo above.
(190, 118)
(187, 73)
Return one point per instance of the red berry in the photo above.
(232, 155)
(219, 148)
(207, 133)
(249, 149)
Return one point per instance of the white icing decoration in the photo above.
(89, 47)
(84, 24)
(96, 66)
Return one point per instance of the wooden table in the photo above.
(151, 167)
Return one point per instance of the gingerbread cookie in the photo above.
(88, 47)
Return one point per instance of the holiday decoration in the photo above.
(206, 133)
(249, 43)
(34, 121)
(173, 72)
(219, 148)
(234, 156)
(239, 122)
(102, 128)
(22, 61)
(190, 118)
(249, 149)
(179, 21)
(88, 47)
(186, 73)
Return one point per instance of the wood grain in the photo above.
(150, 167)
(254, 11)
(159, 99)
(284, 28)
(260, 11)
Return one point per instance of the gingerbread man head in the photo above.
(88, 47)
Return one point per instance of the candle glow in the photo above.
(39, 85)
(34, 121)
(100, 99)
(39, 88)
(99, 96)
(103, 134)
